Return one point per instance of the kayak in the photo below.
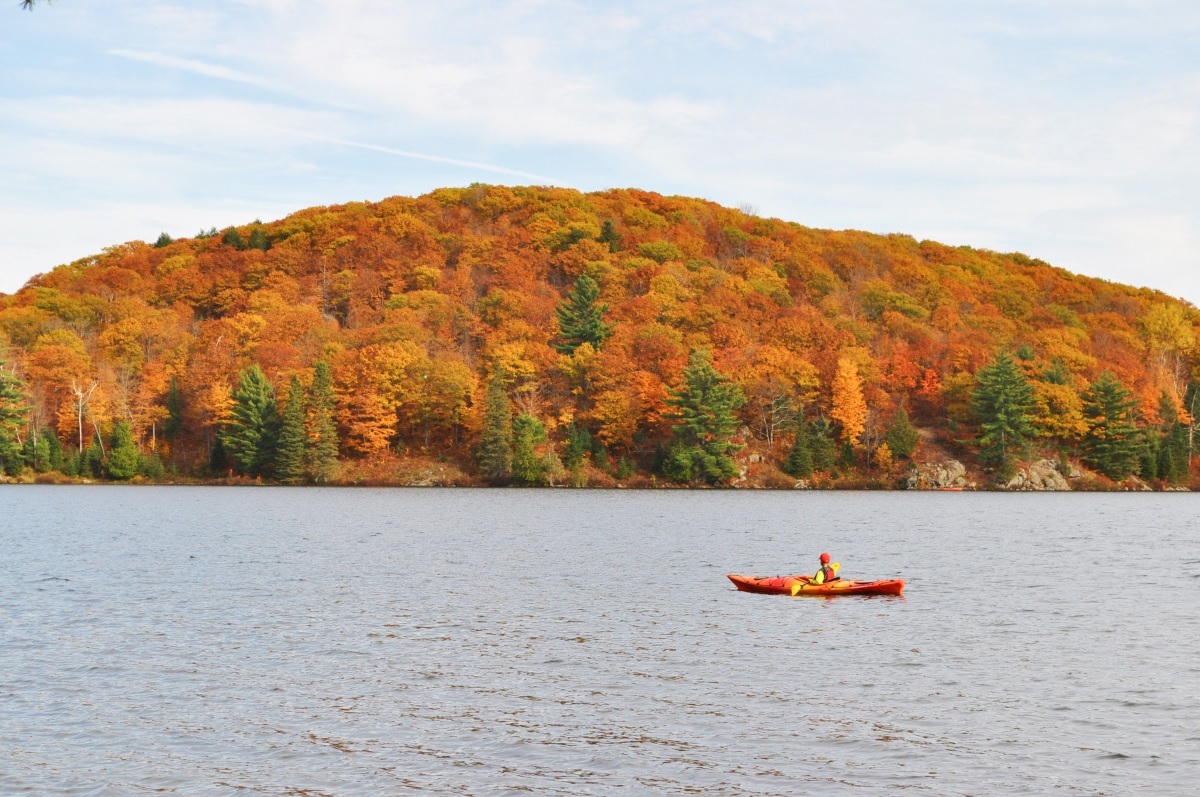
(799, 585)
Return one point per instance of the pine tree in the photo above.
(14, 407)
(258, 240)
(91, 462)
(610, 236)
(292, 454)
(581, 317)
(528, 432)
(1112, 439)
(163, 240)
(579, 443)
(252, 433)
(322, 431)
(1148, 457)
(1001, 403)
(800, 460)
(902, 437)
(122, 454)
(54, 449)
(704, 409)
(495, 447)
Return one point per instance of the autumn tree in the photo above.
(1111, 442)
(528, 433)
(1001, 403)
(173, 426)
(495, 446)
(849, 408)
(704, 410)
(292, 456)
(251, 435)
(581, 317)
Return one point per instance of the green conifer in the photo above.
(293, 453)
(528, 433)
(823, 448)
(54, 448)
(322, 430)
(579, 443)
(799, 461)
(1001, 403)
(252, 433)
(173, 426)
(902, 437)
(495, 447)
(581, 317)
(704, 408)
(122, 453)
(1111, 442)
(14, 407)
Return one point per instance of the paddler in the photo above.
(826, 574)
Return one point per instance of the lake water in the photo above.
(274, 641)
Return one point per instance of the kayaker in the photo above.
(826, 573)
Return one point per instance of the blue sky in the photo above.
(1067, 130)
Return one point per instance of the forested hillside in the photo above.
(540, 335)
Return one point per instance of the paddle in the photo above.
(796, 588)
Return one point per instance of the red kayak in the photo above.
(798, 585)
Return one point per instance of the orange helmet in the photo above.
(824, 558)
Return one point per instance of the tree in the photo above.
(581, 317)
(800, 460)
(292, 456)
(14, 407)
(252, 433)
(849, 409)
(122, 454)
(322, 432)
(174, 423)
(163, 240)
(495, 447)
(528, 433)
(1111, 443)
(902, 437)
(704, 408)
(824, 451)
(579, 443)
(1001, 403)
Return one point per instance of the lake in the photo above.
(303, 641)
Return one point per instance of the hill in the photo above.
(416, 305)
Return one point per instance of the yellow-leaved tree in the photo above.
(849, 408)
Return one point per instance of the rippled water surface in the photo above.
(213, 641)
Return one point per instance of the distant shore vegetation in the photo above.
(492, 335)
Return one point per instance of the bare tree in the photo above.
(82, 398)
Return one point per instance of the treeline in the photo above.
(540, 335)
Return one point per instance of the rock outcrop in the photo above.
(1042, 475)
(937, 476)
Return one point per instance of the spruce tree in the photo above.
(1111, 442)
(800, 460)
(579, 443)
(581, 317)
(54, 448)
(322, 430)
(292, 455)
(258, 240)
(528, 432)
(495, 447)
(1001, 403)
(122, 454)
(251, 435)
(1148, 457)
(902, 437)
(704, 408)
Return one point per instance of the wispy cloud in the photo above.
(216, 71)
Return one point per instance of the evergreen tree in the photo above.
(91, 462)
(122, 454)
(14, 407)
(799, 462)
(258, 240)
(528, 432)
(174, 423)
(1111, 442)
(704, 409)
(581, 317)
(1148, 457)
(252, 433)
(151, 466)
(322, 430)
(41, 453)
(54, 449)
(823, 449)
(610, 236)
(902, 437)
(233, 238)
(1173, 455)
(293, 453)
(495, 447)
(163, 240)
(579, 443)
(1001, 403)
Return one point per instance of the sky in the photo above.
(1065, 129)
